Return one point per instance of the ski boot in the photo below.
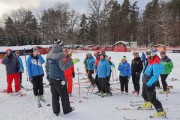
(159, 115)
(100, 94)
(146, 105)
(38, 101)
(72, 109)
(41, 97)
(106, 94)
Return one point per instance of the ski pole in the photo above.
(78, 81)
(25, 61)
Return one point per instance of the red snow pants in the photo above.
(10, 78)
(69, 83)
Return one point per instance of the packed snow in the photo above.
(94, 107)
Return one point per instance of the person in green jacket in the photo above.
(168, 66)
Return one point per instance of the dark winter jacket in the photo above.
(34, 65)
(103, 69)
(136, 66)
(11, 63)
(167, 64)
(57, 62)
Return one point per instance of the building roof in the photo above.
(122, 42)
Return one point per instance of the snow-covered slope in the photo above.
(93, 108)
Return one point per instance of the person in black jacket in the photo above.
(136, 69)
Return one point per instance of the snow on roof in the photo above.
(27, 47)
(123, 42)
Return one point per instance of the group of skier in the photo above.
(150, 65)
(60, 71)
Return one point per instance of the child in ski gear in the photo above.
(97, 82)
(56, 64)
(69, 73)
(21, 67)
(150, 76)
(36, 73)
(136, 69)
(12, 67)
(90, 65)
(103, 71)
(125, 73)
(168, 66)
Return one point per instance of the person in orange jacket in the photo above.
(69, 74)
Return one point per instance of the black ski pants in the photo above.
(20, 77)
(90, 72)
(149, 95)
(58, 90)
(124, 83)
(105, 85)
(97, 82)
(163, 80)
(37, 82)
(135, 80)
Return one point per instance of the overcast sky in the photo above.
(38, 5)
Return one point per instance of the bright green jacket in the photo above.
(167, 64)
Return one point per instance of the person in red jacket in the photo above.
(69, 74)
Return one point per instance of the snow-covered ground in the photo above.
(93, 108)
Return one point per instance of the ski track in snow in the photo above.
(93, 108)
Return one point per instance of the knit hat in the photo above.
(153, 52)
(8, 51)
(58, 41)
(123, 58)
(35, 48)
(88, 53)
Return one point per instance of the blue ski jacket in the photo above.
(90, 63)
(34, 65)
(21, 67)
(153, 70)
(124, 69)
(103, 69)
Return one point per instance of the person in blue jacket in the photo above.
(90, 67)
(103, 72)
(21, 68)
(143, 58)
(125, 73)
(36, 73)
(151, 73)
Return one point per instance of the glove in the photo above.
(149, 84)
(73, 75)
(75, 60)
